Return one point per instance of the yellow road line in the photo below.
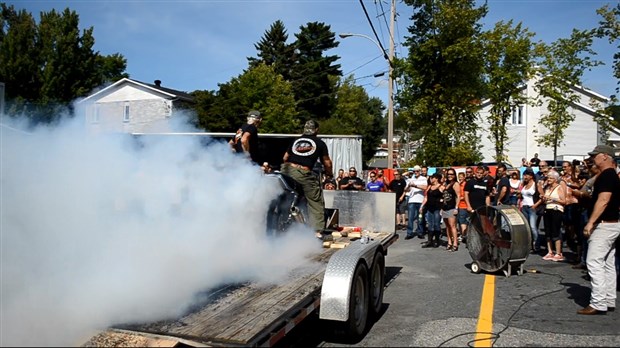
(485, 317)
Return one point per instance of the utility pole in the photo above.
(390, 135)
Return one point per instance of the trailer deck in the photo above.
(244, 315)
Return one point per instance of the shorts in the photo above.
(463, 217)
(447, 214)
(401, 207)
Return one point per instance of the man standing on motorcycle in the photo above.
(299, 160)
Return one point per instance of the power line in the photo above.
(374, 31)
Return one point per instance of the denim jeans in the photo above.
(530, 216)
(433, 219)
(414, 213)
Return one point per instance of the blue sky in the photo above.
(196, 44)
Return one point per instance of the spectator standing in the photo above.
(515, 188)
(477, 193)
(571, 209)
(352, 182)
(541, 184)
(529, 202)
(463, 216)
(433, 202)
(299, 160)
(423, 223)
(374, 185)
(381, 178)
(554, 200)
(535, 161)
(339, 177)
(416, 186)
(603, 229)
(524, 162)
(503, 186)
(398, 186)
(451, 197)
(246, 139)
(490, 181)
(584, 198)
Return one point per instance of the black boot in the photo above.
(429, 241)
(437, 237)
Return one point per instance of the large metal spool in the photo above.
(498, 238)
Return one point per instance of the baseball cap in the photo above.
(606, 149)
(311, 127)
(255, 114)
(416, 168)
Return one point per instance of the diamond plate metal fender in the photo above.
(336, 287)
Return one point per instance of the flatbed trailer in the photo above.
(345, 287)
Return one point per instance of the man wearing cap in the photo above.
(246, 139)
(299, 160)
(602, 230)
(416, 186)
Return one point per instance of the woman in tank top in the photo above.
(529, 202)
(451, 196)
(432, 203)
(554, 200)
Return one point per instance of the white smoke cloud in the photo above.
(96, 230)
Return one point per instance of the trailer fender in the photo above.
(335, 291)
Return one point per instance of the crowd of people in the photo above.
(577, 205)
(572, 208)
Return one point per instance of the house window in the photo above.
(518, 115)
(126, 113)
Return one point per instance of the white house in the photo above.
(131, 106)
(581, 136)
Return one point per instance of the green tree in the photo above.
(259, 88)
(47, 66)
(509, 54)
(312, 79)
(274, 51)
(609, 27)
(442, 78)
(561, 68)
(357, 114)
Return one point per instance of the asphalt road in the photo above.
(433, 299)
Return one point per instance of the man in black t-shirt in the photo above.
(535, 161)
(246, 139)
(299, 160)
(503, 185)
(352, 182)
(398, 186)
(603, 229)
(477, 191)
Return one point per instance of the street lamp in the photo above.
(389, 58)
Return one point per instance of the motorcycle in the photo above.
(288, 208)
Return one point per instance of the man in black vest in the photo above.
(299, 160)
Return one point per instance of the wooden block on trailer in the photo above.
(327, 244)
(339, 245)
(355, 234)
(337, 234)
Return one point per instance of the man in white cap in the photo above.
(416, 186)
(602, 230)
(246, 139)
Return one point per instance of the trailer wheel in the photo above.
(475, 267)
(377, 282)
(353, 329)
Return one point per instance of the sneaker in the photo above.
(408, 237)
(558, 258)
(548, 257)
